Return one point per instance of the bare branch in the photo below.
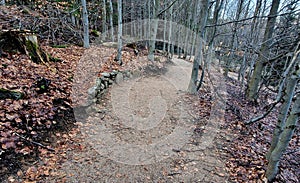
(168, 7)
(244, 19)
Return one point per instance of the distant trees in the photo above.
(233, 42)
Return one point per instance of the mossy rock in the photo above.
(8, 94)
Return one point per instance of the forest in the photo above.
(150, 91)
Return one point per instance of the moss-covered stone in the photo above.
(8, 94)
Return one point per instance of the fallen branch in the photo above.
(253, 120)
(33, 142)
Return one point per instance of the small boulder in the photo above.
(119, 78)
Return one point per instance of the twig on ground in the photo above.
(33, 142)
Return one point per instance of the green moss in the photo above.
(95, 33)
(156, 59)
(5, 94)
(53, 59)
(33, 50)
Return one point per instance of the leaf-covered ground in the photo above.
(247, 162)
(46, 99)
(46, 117)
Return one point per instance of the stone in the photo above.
(114, 73)
(98, 83)
(102, 86)
(110, 82)
(119, 78)
(106, 84)
(92, 92)
(105, 74)
(136, 73)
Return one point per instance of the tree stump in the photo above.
(23, 41)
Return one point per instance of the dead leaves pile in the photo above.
(31, 118)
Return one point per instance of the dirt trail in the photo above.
(145, 130)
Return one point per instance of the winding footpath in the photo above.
(146, 130)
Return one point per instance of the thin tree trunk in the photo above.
(86, 41)
(233, 38)
(247, 9)
(153, 31)
(179, 35)
(111, 21)
(104, 27)
(170, 29)
(253, 86)
(194, 28)
(284, 138)
(192, 88)
(288, 96)
(119, 55)
(165, 31)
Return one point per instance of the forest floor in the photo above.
(160, 149)
(217, 147)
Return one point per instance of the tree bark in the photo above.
(119, 55)
(170, 30)
(284, 139)
(253, 86)
(111, 21)
(153, 30)
(86, 41)
(192, 88)
(288, 96)
(104, 27)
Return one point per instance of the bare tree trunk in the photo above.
(104, 27)
(165, 31)
(217, 9)
(284, 138)
(253, 86)
(179, 35)
(233, 38)
(86, 41)
(153, 30)
(119, 55)
(287, 98)
(192, 88)
(194, 26)
(187, 35)
(247, 9)
(170, 29)
(225, 9)
(111, 21)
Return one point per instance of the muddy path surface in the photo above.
(147, 129)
